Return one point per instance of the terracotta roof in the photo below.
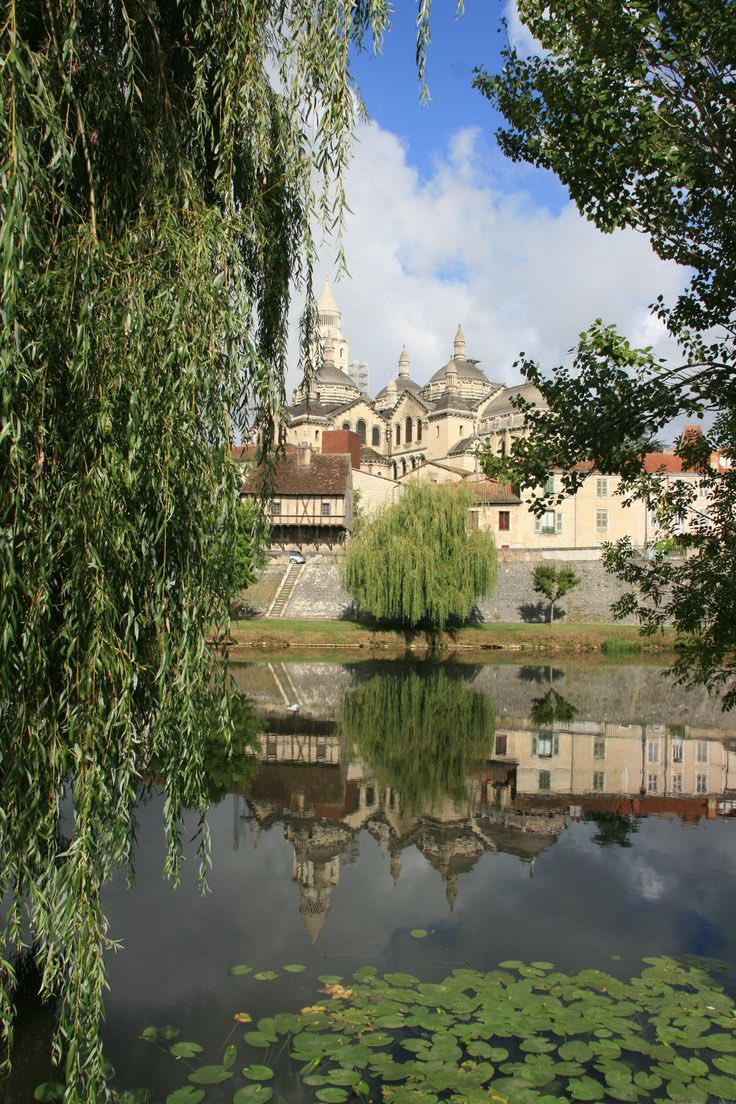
(239, 453)
(490, 492)
(369, 455)
(325, 474)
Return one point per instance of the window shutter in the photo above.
(559, 521)
(534, 743)
(537, 524)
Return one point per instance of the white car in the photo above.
(296, 557)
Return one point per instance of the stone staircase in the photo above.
(285, 590)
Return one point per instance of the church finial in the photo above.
(459, 345)
(404, 364)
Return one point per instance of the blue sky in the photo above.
(444, 230)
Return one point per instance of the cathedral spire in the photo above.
(459, 345)
(404, 364)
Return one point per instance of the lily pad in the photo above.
(258, 1073)
(418, 933)
(185, 1050)
(266, 975)
(331, 1095)
(187, 1094)
(210, 1075)
(253, 1094)
(295, 968)
(238, 971)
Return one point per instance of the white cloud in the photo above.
(468, 245)
(520, 37)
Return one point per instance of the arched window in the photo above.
(346, 425)
(413, 463)
(393, 468)
(398, 433)
(316, 435)
(360, 430)
(403, 467)
(419, 429)
(408, 425)
(376, 437)
(502, 450)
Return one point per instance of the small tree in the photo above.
(417, 563)
(554, 583)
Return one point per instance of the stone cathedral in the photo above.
(406, 423)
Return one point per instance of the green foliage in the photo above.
(632, 107)
(419, 734)
(522, 1034)
(246, 553)
(417, 563)
(157, 209)
(553, 582)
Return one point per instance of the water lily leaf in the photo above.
(717, 1085)
(210, 1075)
(169, 1032)
(229, 1054)
(390, 1021)
(365, 973)
(237, 971)
(330, 979)
(647, 1081)
(725, 1044)
(691, 1067)
(536, 1045)
(418, 933)
(511, 964)
(728, 1065)
(284, 1023)
(259, 1039)
(479, 1049)
(342, 1076)
(253, 1094)
(575, 1051)
(185, 1050)
(150, 1034)
(401, 979)
(585, 1088)
(266, 975)
(543, 965)
(187, 1094)
(49, 1091)
(295, 968)
(331, 1095)
(257, 1073)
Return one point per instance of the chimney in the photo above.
(304, 454)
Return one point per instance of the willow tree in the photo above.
(419, 563)
(158, 193)
(421, 734)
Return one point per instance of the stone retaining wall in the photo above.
(320, 597)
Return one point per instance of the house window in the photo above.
(376, 437)
(548, 522)
(677, 783)
(504, 520)
(652, 783)
(677, 750)
(701, 751)
(701, 783)
(501, 745)
(360, 429)
(601, 521)
(549, 486)
(599, 747)
(545, 744)
(408, 431)
(601, 487)
(545, 780)
(475, 519)
(461, 431)
(599, 781)
(275, 509)
(652, 751)
(346, 425)
(325, 509)
(419, 429)
(398, 434)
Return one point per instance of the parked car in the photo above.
(296, 557)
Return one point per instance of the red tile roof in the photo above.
(490, 492)
(323, 475)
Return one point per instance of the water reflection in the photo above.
(416, 758)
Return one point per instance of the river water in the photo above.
(421, 818)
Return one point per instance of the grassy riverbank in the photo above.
(572, 639)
